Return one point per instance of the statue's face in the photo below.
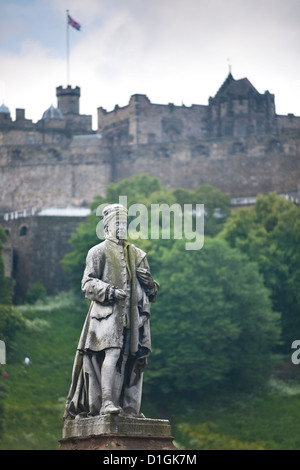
(118, 227)
(121, 228)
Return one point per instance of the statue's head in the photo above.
(115, 221)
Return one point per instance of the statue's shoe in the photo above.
(110, 408)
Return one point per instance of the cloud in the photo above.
(171, 50)
(30, 78)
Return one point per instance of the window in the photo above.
(23, 231)
(242, 128)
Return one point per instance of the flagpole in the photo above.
(68, 51)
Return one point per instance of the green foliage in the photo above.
(139, 186)
(213, 329)
(137, 190)
(214, 313)
(3, 395)
(264, 419)
(36, 292)
(216, 204)
(142, 189)
(213, 322)
(269, 234)
(205, 436)
(11, 321)
(5, 288)
(36, 393)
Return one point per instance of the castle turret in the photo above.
(68, 99)
(68, 104)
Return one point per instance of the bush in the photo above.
(36, 292)
(212, 324)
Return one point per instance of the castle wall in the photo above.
(119, 125)
(238, 167)
(142, 122)
(52, 175)
(72, 176)
(236, 144)
(39, 244)
(288, 123)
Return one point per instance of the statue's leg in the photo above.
(133, 387)
(108, 375)
(119, 380)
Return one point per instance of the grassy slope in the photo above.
(37, 394)
(267, 420)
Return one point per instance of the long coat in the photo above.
(106, 267)
(105, 322)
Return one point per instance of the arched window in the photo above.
(23, 231)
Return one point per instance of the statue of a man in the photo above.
(115, 340)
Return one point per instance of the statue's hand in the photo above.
(120, 294)
(144, 276)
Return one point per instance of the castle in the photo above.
(52, 169)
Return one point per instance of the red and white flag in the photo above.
(74, 23)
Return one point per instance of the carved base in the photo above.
(117, 442)
(114, 432)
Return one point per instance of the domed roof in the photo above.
(4, 109)
(53, 113)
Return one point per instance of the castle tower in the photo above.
(239, 110)
(68, 99)
(68, 104)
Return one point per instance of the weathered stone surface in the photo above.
(237, 143)
(114, 432)
(39, 244)
(117, 442)
(115, 424)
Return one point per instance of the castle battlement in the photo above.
(236, 143)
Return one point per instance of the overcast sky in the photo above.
(174, 51)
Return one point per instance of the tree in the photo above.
(5, 289)
(3, 395)
(148, 191)
(36, 292)
(138, 189)
(10, 318)
(269, 234)
(216, 205)
(212, 323)
(10, 321)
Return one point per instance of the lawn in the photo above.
(268, 418)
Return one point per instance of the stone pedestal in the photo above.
(115, 432)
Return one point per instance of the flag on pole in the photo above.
(74, 23)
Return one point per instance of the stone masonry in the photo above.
(237, 143)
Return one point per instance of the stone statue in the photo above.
(115, 341)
